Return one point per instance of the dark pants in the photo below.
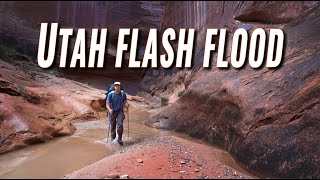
(116, 120)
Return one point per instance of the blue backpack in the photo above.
(110, 89)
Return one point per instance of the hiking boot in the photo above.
(120, 142)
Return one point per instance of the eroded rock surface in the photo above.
(268, 119)
(36, 107)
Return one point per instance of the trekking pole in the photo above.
(128, 122)
(108, 133)
(108, 128)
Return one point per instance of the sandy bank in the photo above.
(163, 157)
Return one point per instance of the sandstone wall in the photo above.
(268, 119)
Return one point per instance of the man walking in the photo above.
(115, 101)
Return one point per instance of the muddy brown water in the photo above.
(87, 145)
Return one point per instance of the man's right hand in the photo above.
(110, 111)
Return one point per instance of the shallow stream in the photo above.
(88, 144)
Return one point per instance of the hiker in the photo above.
(116, 99)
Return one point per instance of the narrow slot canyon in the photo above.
(192, 122)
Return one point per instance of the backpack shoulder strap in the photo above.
(122, 93)
(111, 92)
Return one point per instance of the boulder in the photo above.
(37, 107)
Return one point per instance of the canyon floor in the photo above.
(163, 157)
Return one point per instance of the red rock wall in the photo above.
(36, 107)
(21, 24)
(85, 14)
(268, 119)
(202, 15)
(27, 16)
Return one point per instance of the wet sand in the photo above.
(163, 157)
